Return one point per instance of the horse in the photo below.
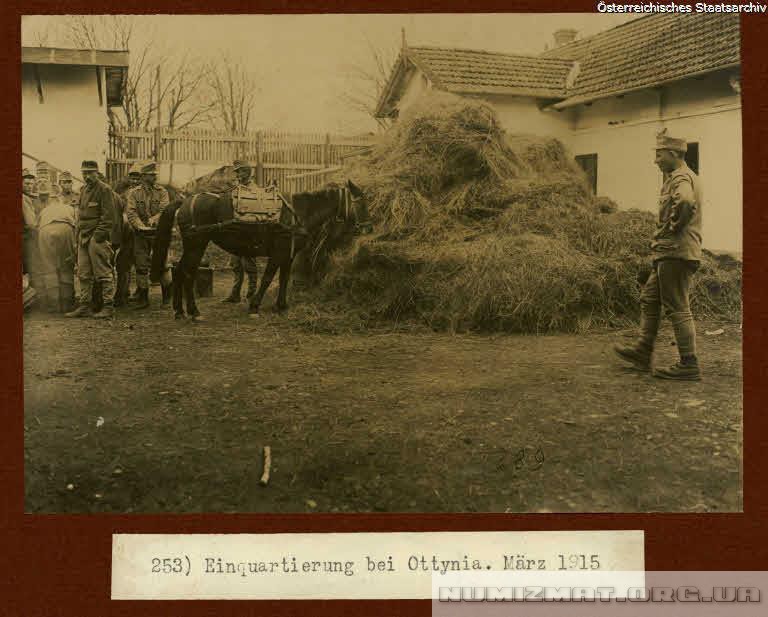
(210, 217)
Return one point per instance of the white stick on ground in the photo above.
(267, 466)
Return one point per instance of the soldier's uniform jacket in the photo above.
(71, 199)
(96, 211)
(29, 214)
(678, 231)
(142, 203)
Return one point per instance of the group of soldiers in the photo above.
(100, 233)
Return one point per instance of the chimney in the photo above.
(563, 36)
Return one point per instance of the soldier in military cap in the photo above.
(95, 225)
(676, 249)
(144, 205)
(243, 265)
(124, 261)
(57, 245)
(67, 195)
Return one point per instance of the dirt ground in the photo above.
(148, 414)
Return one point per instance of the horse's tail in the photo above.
(162, 243)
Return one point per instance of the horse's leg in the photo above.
(282, 293)
(266, 281)
(195, 257)
(178, 285)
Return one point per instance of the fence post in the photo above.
(260, 158)
(327, 151)
(158, 143)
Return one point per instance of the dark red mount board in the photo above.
(60, 564)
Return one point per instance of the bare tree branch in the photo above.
(366, 79)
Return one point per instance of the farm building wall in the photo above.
(68, 124)
(519, 114)
(621, 131)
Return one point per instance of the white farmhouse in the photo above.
(606, 96)
(65, 94)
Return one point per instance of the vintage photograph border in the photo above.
(60, 564)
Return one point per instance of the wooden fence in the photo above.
(275, 155)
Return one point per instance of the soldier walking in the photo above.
(242, 265)
(56, 241)
(676, 250)
(144, 205)
(95, 224)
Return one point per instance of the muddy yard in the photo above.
(148, 414)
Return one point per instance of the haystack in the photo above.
(479, 230)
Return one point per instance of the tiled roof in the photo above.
(466, 70)
(641, 53)
(651, 50)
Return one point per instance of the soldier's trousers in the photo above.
(142, 256)
(94, 263)
(124, 262)
(56, 242)
(668, 288)
(240, 266)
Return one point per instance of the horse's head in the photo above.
(335, 203)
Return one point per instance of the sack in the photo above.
(257, 205)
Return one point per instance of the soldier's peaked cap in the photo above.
(666, 142)
(238, 164)
(149, 168)
(65, 176)
(135, 170)
(25, 173)
(89, 166)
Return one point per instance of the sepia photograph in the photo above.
(348, 263)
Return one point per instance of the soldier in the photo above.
(241, 265)
(144, 205)
(676, 248)
(96, 220)
(56, 241)
(30, 251)
(67, 195)
(124, 260)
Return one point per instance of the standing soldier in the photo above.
(144, 205)
(30, 254)
(95, 226)
(67, 195)
(676, 249)
(124, 260)
(56, 240)
(241, 265)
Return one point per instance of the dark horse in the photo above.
(210, 217)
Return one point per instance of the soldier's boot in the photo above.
(253, 280)
(639, 355)
(166, 289)
(143, 300)
(84, 308)
(685, 370)
(107, 312)
(107, 301)
(234, 295)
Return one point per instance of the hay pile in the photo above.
(477, 230)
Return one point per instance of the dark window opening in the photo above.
(588, 163)
(692, 157)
